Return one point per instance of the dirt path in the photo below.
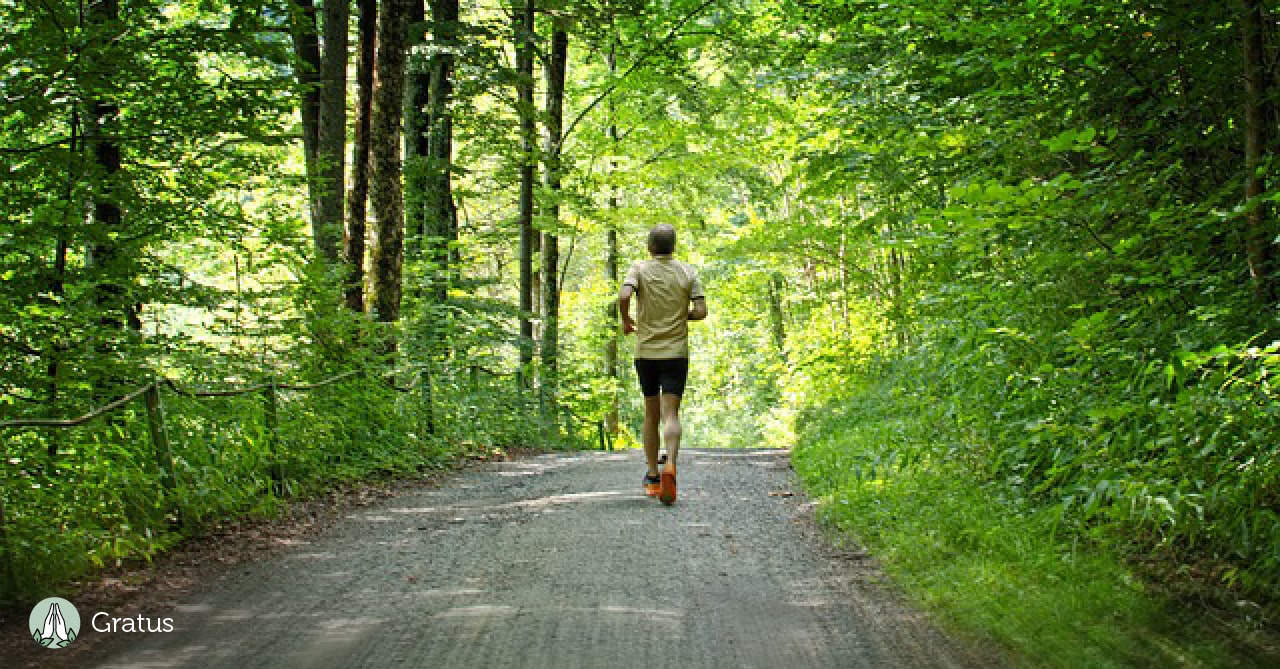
(556, 561)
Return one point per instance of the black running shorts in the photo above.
(666, 376)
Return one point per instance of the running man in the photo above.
(668, 296)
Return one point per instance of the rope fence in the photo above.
(155, 417)
(151, 395)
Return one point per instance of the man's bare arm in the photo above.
(698, 311)
(624, 308)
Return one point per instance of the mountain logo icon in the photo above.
(54, 623)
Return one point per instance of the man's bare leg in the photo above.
(671, 430)
(652, 438)
(671, 437)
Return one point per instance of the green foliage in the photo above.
(99, 498)
(1019, 350)
(1031, 214)
(996, 563)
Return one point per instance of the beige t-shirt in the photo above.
(664, 287)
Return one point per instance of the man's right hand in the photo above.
(624, 308)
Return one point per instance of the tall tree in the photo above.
(323, 79)
(387, 194)
(331, 133)
(555, 70)
(613, 324)
(105, 254)
(417, 126)
(440, 212)
(304, 29)
(432, 215)
(523, 35)
(354, 240)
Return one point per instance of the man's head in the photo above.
(662, 240)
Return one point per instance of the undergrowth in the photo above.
(894, 469)
(90, 497)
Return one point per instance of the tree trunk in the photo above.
(104, 253)
(898, 270)
(387, 194)
(306, 46)
(844, 266)
(331, 133)
(776, 322)
(441, 213)
(1258, 117)
(416, 130)
(431, 216)
(556, 66)
(611, 367)
(367, 32)
(523, 36)
(105, 260)
(611, 264)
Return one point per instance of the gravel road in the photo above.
(557, 562)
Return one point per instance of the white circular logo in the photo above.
(54, 623)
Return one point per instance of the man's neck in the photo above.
(660, 256)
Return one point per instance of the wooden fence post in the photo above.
(276, 468)
(159, 437)
(604, 441)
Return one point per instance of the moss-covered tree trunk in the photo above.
(323, 79)
(440, 212)
(357, 201)
(386, 192)
(304, 30)
(331, 133)
(416, 127)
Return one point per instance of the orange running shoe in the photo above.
(652, 485)
(667, 485)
